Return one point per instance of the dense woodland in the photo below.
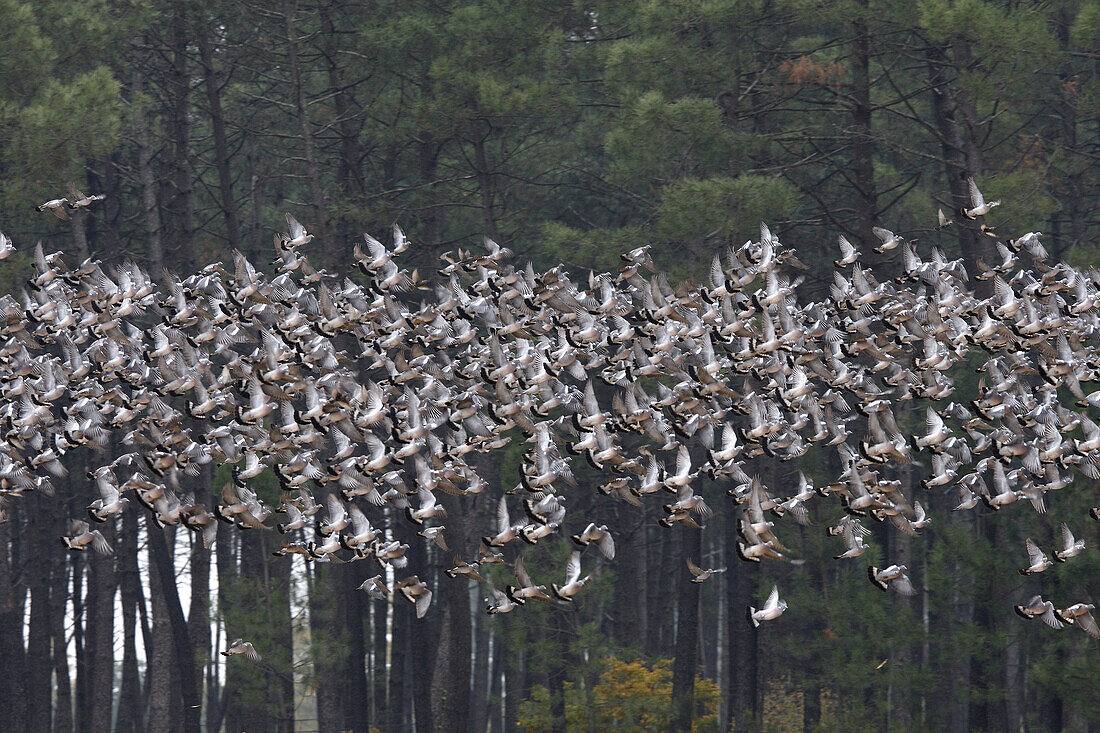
(569, 132)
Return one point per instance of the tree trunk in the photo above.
(511, 655)
(282, 634)
(398, 713)
(78, 229)
(380, 631)
(13, 695)
(451, 680)
(182, 204)
(39, 660)
(83, 701)
(687, 633)
(305, 126)
(557, 668)
(59, 584)
(159, 666)
(496, 685)
(221, 142)
(742, 691)
(424, 641)
(962, 614)
(198, 614)
(150, 214)
(180, 635)
(863, 144)
(329, 644)
(962, 162)
(228, 583)
(630, 569)
(899, 712)
(1075, 198)
(356, 708)
(485, 185)
(479, 690)
(101, 635)
(131, 707)
(256, 202)
(349, 174)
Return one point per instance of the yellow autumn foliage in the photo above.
(627, 696)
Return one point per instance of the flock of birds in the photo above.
(367, 394)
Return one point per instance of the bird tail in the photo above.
(752, 617)
(872, 573)
(1020, 612)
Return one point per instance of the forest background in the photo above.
(570, 132)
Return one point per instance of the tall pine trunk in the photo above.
(962, 159)
(131, 705)
(305, 127)
(221, 139)
(178, 633)
(480, 702)
(198, 614)
(100, 635)
(741, 637)
(181, 206)
(150, 213)
(13, 694)
(687, 632)
(863, 144)
(451, 680)
(349, 170)
(39, 661)
(63, 695)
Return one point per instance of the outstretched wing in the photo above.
(521, 574)
(976, 198)
(903, 585)
(1067, 538)
(100, 544)
(573, 568)
(1049, 617)
(773, 598)
(250, 652)
(1034, 554)
(422, 602)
